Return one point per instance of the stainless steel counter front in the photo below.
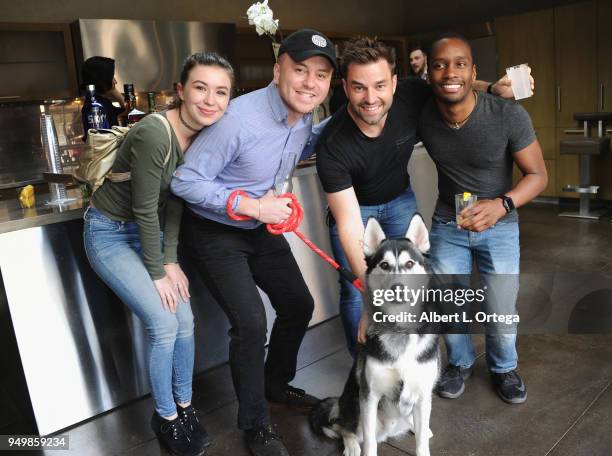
(82, 351)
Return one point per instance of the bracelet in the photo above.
(490, 88)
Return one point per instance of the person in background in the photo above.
(131, 236)
(255, 148)
(418, 62)
(100, 71)
(475, 139)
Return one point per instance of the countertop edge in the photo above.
(41, 220)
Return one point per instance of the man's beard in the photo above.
(370, 120)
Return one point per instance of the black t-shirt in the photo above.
(478, 157)
(377, 168)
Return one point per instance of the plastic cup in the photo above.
(463, 200)
(521, 86)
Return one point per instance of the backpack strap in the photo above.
(167, 125)
(124, 177)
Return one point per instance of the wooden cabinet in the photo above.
(583, 38)
(36, 62)
(515, 45)
(569, 49)
(576, 61)
(604, 55)
(604, 73)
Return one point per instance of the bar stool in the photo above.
(586, 147)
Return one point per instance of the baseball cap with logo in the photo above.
(306, 43)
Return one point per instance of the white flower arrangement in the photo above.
(262, 17)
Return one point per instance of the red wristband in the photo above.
(229, 207)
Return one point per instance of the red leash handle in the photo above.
(291, 224)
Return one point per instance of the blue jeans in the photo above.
(114, 252)
(495, 251)
(394, 218)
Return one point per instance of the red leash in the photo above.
(291, 225)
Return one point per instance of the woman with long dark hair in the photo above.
(131, 237)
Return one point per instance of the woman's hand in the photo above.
(178, 279)
(167, 292)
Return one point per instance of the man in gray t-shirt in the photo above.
(474, 139)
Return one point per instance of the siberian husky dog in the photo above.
(388, 391)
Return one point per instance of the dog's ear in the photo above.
(372, 237)
(418, 234)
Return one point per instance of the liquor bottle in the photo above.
(151, 100)
(94, 113)
(130, 102)
(132, 114)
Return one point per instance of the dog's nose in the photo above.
(397, 286)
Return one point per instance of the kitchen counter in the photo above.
(13, 217)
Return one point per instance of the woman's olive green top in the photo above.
(146, 198)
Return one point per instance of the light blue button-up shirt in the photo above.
(251, 148)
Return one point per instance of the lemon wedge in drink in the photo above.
(26, 197)
(466, 196)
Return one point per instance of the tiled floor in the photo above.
(569, 377)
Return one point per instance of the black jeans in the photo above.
(232, 261)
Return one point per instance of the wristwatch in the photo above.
(507, 202)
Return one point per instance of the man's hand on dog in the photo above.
(482, 215)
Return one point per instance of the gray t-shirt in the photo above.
(477, 158)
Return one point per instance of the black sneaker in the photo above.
(173, 436)
(194, 428)
(263, 441)
(294, 397)
(451, 383)
(510, 387)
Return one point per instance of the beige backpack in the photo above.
(96, 161)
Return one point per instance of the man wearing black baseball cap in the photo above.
(307, 43)
(254, 148)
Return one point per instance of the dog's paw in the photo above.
(424, 451)
(351, 447)
(371, 451)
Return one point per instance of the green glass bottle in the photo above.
(151, 100)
